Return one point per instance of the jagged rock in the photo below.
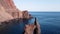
(32, 28)
(29, 29)
(37, 29)
(26, 15)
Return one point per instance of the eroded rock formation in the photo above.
(29, 29)
(9, 11)
(26, 15)
(32, 28)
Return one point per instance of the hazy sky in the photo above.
(38, 5)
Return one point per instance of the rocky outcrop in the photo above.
(32, 28)
(29, 29)
(37, 29)
(26, 15)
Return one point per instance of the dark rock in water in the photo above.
(32, 28)
(37, 29)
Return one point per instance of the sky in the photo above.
(38, 5)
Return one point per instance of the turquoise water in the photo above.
(49, 22)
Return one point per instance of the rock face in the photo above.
(3, 15)
(9, 11)
(10, 8)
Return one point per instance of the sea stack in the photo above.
(37, 29)
(32, 28)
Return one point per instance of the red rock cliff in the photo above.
(10, 8)
(9, 11)
(4, 15)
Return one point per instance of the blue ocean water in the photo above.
(49, 23)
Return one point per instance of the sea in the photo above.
(49, 23)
